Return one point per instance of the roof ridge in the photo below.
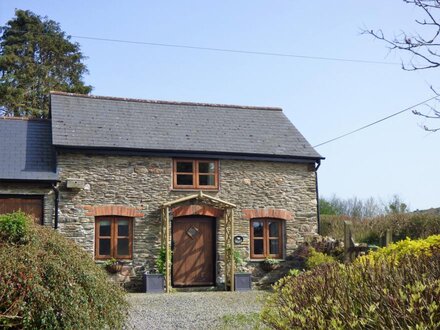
(112, 98)
(24, 118)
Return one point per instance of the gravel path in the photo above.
(189, 310)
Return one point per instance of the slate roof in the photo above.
(115, 123)
(26, 151)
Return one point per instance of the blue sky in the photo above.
(322, 98)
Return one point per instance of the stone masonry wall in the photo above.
(144, 183)
(25, 188)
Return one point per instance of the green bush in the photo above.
(13, 227)
(161, 261)
(316, 259)
(294, 272)
(378, 294)
(48, 282)
(398, 250)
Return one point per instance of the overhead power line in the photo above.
(239, 51)
(375, 122)
(228, 50)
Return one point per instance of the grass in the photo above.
(242, 321)
(249, 320)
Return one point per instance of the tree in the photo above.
(36, 57)
(396, 206)
(361, 208)
(327, 208)
(423, 47)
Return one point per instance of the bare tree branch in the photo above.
(431, 129)
(418, 113)
(423, 47)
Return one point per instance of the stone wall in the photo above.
(27, 188)
(143, 184)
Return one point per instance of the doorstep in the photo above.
(197, 289)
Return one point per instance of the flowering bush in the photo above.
(48, 282)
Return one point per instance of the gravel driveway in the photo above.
(190, 310)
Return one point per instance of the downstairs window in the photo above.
(266, 238)
(113, 237)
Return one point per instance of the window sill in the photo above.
(261, 260)
(103, 260)
(195, 189)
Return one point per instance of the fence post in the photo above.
(347, 241)
(388, 237)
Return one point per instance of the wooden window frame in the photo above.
(196, 174)
(266, 239)
(113, 237)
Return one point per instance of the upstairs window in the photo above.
(113, 238)
(195, 174)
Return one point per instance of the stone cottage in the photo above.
(123, 177)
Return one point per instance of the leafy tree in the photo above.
(423, 46)
(396, 206)
(36, 57)
(327, 208)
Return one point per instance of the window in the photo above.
(266, 238)
(113, 237)
(195, 174)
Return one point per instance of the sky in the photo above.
(323, 98)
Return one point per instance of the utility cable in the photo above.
(237, 51)
(376, 122)
(225, 50)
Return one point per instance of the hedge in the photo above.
(412, 225)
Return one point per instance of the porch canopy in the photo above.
(228, 216)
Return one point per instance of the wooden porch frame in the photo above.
(229, 234)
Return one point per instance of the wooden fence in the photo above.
(352, 250)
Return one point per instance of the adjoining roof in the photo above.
(81, 121)
(26, 151)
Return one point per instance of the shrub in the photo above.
(13, 227)
(294, 272)
(316, 259)
(48, 282)
(403, 248)
(238, 259)
(364, 295)
(161, 261)
(412, 225)
(333, 225)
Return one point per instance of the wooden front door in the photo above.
(193, 251)
(32, 205)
